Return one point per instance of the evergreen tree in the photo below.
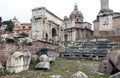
(9, 24)
(0, 21)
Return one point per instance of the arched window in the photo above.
(77, 20)
(54, 34)
(66, 37)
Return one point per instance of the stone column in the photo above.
(104, 4)
(85, 34)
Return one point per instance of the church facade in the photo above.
(107, 23)
(46, 26)
(75, 28)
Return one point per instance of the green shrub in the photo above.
(32, 65)
(6, 73)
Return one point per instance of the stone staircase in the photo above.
(88, 49)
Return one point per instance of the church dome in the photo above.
(76, 14)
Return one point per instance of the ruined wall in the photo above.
(116, 26)
(7, 49)
(114, 32)
(96, 29)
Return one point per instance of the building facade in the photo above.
(107, 23)
(21, 27)
(75, 28)
(46, 26)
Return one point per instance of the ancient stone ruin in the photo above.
(18, 61)
(79, 74)
(95, 49)
(44, 62)
(56, 76)
(111, 64)
(117, 75)
(50, 52)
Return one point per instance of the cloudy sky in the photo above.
(22, 8)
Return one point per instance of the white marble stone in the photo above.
(43, 65)
(43, 58)
(79, 74)
(56, 76)
(18, 62)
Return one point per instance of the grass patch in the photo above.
(63, 67)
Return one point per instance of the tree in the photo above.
(0, 21)
(9, 24)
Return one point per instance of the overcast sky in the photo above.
(22, 8)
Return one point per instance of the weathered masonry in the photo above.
(75, 28)
(107, 23)
(46, 26)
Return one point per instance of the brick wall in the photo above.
(7, 49)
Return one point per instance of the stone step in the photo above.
(96, 48)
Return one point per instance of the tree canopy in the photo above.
(9, 24)
(0, 21)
